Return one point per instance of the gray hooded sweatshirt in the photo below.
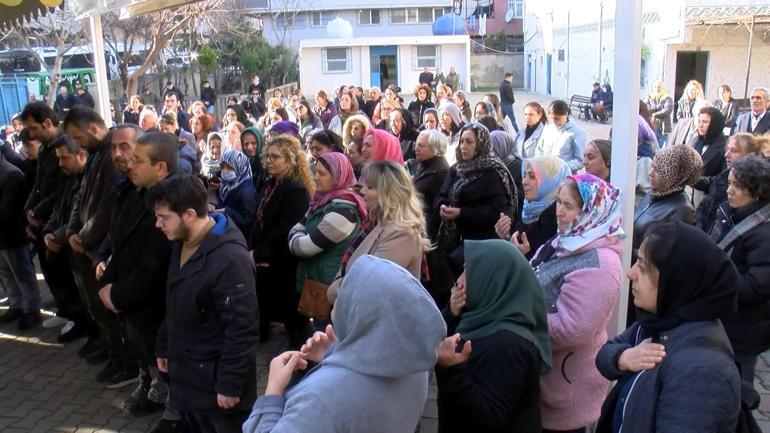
(374, 378)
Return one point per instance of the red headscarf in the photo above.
(386, 146)
(343, 180)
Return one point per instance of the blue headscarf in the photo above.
(239, 162)
(549, 172)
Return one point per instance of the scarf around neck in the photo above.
(549, 171)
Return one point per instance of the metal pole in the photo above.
(628, 46)
(102, 89)
(568, 51)
(748, 61)
(601, 17)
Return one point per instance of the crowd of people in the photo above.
(392, 240)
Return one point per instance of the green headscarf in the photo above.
(503, 293)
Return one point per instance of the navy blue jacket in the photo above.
(694, 389)
(241, 205)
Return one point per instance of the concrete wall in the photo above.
(312, 78)
(488, 70)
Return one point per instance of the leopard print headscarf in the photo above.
(675, 167)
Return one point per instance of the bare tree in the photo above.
(286, 11)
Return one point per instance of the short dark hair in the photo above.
(559, 108)
(81, 117)
(752, 173)
(329, 139)
(163, 148)
(282, 112)
(508, 75)
(168, 93)
(39, 112)
(180, 192)
(489, 121)
(24, 135)
(64, 140)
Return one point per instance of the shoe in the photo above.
(92, 345)
(10, 316)
(111, 369)
(168, 426)
(66, 328)
(98, 357)
(4, 301)
(76, 331)
(122, 378)
(139, 405)
(29, 320)
(54, 322)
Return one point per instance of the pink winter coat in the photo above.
(581, 290)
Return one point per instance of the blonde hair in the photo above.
(347, 128)
(762, 144)
(289, 147)
(398, 204)
(698, 90)
(135, 103)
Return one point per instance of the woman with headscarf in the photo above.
(672, 169)
(527, 137)
(372, 367)
(475, 192)
(497, 315)
(579, 270)
(320, 238)
(503, 148)
(597, 158)
(380, 145)
(674, 367)
(710, 144)
(542, 176)
(461, 100)
(253, 145)
(237, 194)
(742, 230)
(421, 102)
(355, 126)
(211, 163)
(450, 121)
(402, 126)
(284, 201)
(348, 107)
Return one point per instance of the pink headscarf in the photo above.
(343, 180)
(386, 146)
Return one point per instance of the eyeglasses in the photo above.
(273, 156)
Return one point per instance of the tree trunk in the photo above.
(54, 74)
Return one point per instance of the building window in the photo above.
(321, 19)
(291, 21)
(517, 6)
(336, 60)
(425, 55)
(416, 15)
(561, 55)
(369, 17)
(488, 10)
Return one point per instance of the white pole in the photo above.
(625, 112)
(102, 89)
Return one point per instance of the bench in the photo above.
(577, 102)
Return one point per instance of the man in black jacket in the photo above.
(17, 273)
(82, 97)
(207, 342)
(506, 98)
(89, 223)
(134, 281)
(209, 97)
(72, 162)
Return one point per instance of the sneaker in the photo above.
(168, 426)
(111, 369)
(122, 378)
(92, 345)
(29, 320)
(66, 328)
(76, 331)
(10, 316)
(141, 406)
(54, 322)
(5, 301)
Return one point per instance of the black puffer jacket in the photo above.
(696, 388)
(210, 332)
(716, 193)
(12, 193)
(48, 176)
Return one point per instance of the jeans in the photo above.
(508, 111)
(230, 422)
(17, 274)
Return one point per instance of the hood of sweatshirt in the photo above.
(224, 232)
(386, 323)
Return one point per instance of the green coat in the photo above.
(323, 267)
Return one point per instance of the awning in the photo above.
(15, 12)
(89, 8)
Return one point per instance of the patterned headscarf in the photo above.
(239, 162)
(549, 172)
(675, 167)
(343, 180)
(599, 217)
(471, 170)
(208, 164)
(386, 146)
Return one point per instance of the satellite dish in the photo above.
(509, 15)
(339, 28)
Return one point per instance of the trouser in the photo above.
(17, 274)
(229, 422)
(141, 338)
(61, 283)
(748, 365)
(507, 110)
(577, 430)
(109, 325)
